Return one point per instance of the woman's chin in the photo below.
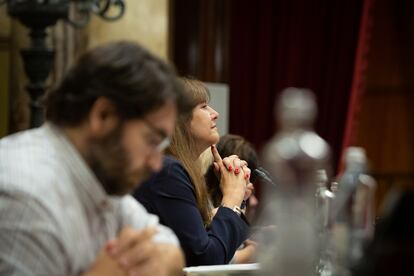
(215, 139)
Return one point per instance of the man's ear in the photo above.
(103, 117)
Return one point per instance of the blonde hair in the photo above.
(206, 159)
(183, 146)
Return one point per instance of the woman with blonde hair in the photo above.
(178, 193)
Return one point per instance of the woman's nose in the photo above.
(214, 114)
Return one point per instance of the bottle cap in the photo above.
(296, 107)
(355, 155)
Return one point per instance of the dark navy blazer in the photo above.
(170, 195)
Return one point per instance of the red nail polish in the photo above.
(236, 171)
(230, 168)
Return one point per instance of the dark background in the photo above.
(355, 55)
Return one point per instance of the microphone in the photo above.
(264, 175)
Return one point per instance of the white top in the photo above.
(55, 216)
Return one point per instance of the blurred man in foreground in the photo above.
(63, 209)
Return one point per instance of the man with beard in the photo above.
(63, 203)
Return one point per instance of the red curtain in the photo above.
(358, 82)
(277, 43)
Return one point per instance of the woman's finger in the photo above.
(216, 167)
(216, 156)
(237, 165)
(249, 191)
(229, 162)
(246, 172)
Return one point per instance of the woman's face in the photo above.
(203, 126)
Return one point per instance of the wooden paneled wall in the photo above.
(386, 124)
(200, 37)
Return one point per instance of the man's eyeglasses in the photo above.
(165, 140)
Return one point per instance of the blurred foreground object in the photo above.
(324, 202)
(353, 211)
(391, 252)
(292, 157)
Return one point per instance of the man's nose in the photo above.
(154, 161)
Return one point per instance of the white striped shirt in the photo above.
(55, 216)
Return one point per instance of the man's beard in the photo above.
(110, 163)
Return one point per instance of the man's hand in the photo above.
(137, 253)
(105, 265)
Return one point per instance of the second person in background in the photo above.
(178, 194)
(232, 144)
